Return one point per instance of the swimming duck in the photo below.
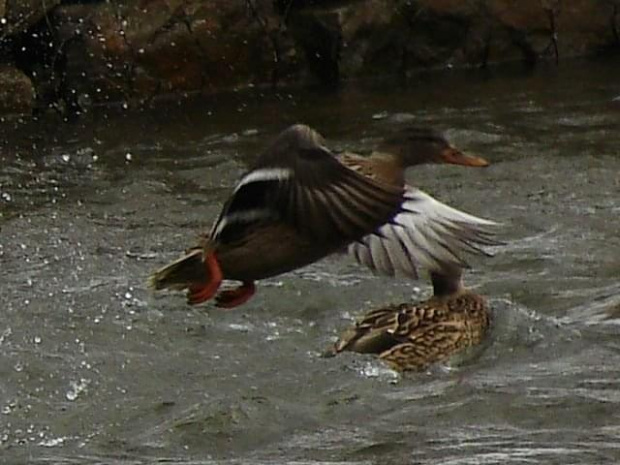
(413, 336)
(300, 203)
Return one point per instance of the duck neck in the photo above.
(389, 167)
(446, 284)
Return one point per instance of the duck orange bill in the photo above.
(454, 156)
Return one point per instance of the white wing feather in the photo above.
(426, 234)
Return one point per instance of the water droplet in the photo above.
(6, 197)
(125, 105)
(3, 20)
(76, 388)
(128, 156)
(65, 157)
(5, 334)
(53, 442)
(37, 340)
(18, 367)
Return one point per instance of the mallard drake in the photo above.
(412, 336)
(300, 203)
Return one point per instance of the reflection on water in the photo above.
(95, 369)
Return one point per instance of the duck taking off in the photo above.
(300, 203)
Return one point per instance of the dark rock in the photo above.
(135, 50)
(16, 92)
(547, 27)
(319, 35)
(20, 15)
(385, 37)
(166, 46)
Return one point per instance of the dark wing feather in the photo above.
(300, 182)
(324, 199)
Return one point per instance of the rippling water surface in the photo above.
(95, 369)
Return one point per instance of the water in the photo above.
(95, 369)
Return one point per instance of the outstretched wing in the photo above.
(426, 234)
(299, 182)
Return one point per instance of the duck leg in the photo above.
(198, 293)
(237, 296)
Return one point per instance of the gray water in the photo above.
(96, 369)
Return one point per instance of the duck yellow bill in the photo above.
(456, 157)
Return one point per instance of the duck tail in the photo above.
(187, 271)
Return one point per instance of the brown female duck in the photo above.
(427, 234)
(412, 336)
(300, 203)
(414, 145)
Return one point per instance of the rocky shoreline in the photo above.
(66, 55)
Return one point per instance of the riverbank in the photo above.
(66, 56)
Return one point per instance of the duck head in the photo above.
(419, 145)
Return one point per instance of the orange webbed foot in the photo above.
(235, 297)
(199, 293)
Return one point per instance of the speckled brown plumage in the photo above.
(412, 336)
(379, 166)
